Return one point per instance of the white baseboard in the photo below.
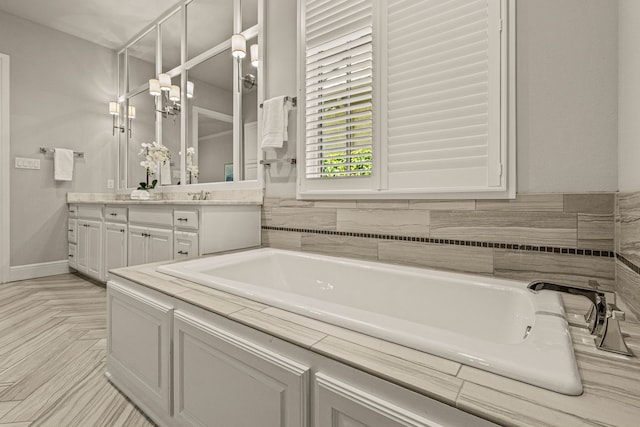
(33, 271)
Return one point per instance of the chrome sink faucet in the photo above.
(603, 318)
(202, 195)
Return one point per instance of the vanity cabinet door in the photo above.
(137, 245)
(89, 248)
(160, 246)
(115, 246)
(338, 404)
(139, 347)
(221, 379)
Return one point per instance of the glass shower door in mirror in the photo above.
(210, 132)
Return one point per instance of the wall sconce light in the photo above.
(131, 114)
(254, 55)
(114, 110)
(238, 46)
(189, 89)
(170, 94)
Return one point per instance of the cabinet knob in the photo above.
(113, 214)
(122, 230)
(183, 253)
(71, 229)
(70, 255)
(183, 219)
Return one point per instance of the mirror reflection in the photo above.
(142, 131)
(249, 118)
(171, 40)
(210, 22)
(171, 125)
(141, 57)
(211, 117)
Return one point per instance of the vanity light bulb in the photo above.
(189, 89)
(174, 93)
(114, 108)
(132, 112)
(165, 81)
(254, 55)
(238, 46)
(154, 87)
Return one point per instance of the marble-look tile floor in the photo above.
(52, 357)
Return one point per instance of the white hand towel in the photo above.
(165, 173)
(63, 164)
(275, 122)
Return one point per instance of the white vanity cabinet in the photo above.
(104, 237)
(139, 324)
(221, 379)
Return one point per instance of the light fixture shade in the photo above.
(165, 81)
(189, 89)
(238, 46)
(114, 108)
(154, 87)
(132, 112)
(254, 55)
(174, 93)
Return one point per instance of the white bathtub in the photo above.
(492, 324)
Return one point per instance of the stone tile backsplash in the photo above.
(567, 237)
(627, 245)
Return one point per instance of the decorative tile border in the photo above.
(512, 246)
(631, 265)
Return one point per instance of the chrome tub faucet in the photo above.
(603, 318)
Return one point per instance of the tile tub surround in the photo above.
(611, 382)
(567, 236)
(627, 244)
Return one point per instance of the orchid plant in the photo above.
(191, 168)
(153, 153)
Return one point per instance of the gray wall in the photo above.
(60, 87)
(629, 96)
(566, 88)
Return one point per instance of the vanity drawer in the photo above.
(151, 216)
(115, 214)
(90, 211)
(73, 211)
(72, 230)
(185, 218)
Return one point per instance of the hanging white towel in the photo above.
(165, 173)
(63, 164)
(275, 122)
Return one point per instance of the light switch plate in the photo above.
(110, 184)
(23, 163)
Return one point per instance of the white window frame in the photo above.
(372, 187)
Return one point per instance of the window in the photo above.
(404, 98)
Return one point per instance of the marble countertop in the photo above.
(611, 382)
(220, 197)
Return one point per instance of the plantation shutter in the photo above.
(444, 111)
(338, 77)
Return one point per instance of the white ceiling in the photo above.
(110, 23)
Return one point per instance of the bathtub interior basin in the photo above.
(492, 324)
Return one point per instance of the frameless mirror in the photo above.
(209, 23)
(171, 30)
(208, 116)
(142, 131)
(211, 118)
(141, 60)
